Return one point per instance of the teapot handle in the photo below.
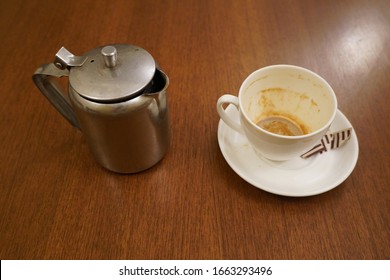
(44, 78)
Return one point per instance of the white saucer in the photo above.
(296, 177)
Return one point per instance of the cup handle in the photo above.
(229, 99)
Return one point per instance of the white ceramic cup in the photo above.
(284, 110)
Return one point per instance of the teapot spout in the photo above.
(158, 84)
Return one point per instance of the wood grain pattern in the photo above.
(56, 202)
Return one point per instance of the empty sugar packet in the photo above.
(330, 141)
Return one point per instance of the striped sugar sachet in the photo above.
(330, 141)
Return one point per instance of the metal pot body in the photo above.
(128, 136)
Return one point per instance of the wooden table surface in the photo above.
(57, 202)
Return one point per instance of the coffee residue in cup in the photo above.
(279, 122)
(282, 126)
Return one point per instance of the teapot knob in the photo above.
(110, 56)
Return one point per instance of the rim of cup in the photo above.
(307, 71)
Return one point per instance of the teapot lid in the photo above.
(112, 73)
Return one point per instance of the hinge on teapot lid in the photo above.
(65, 58)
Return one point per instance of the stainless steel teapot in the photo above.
(117, 97)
